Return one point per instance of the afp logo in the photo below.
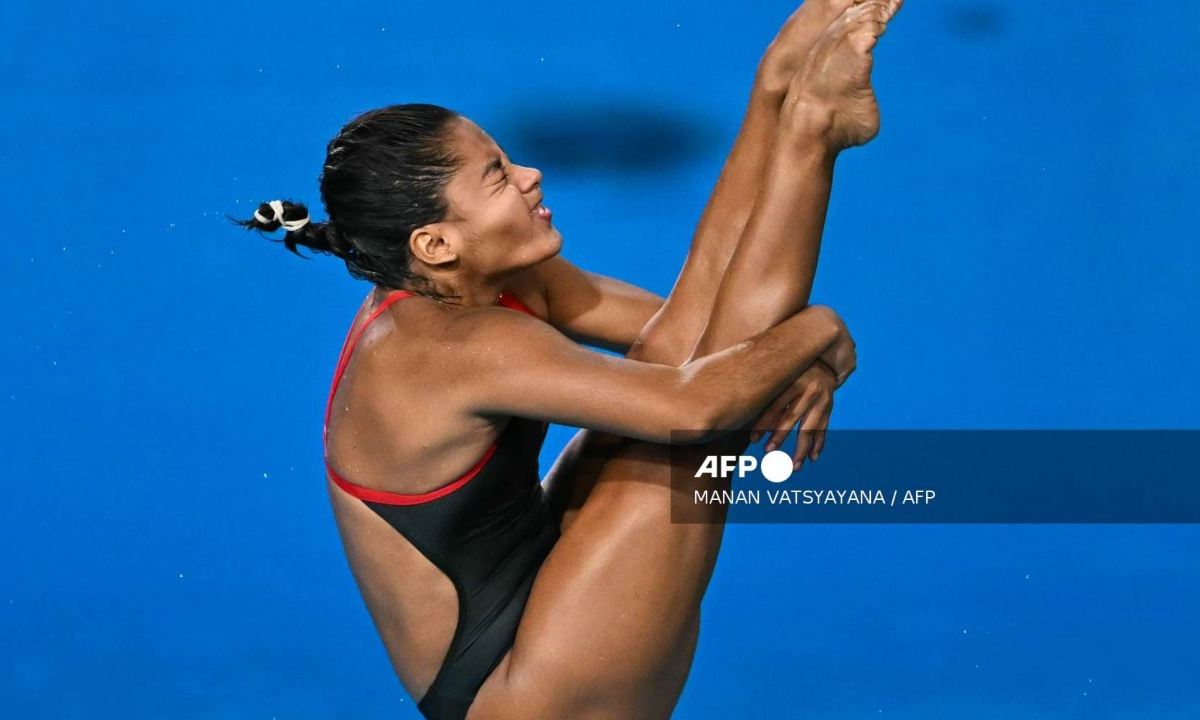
(776, 466)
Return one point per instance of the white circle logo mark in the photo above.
(776, 466)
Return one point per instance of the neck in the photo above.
(478, 295)
(478, 292)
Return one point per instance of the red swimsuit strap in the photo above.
(381, 496)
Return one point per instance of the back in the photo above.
(445, 573)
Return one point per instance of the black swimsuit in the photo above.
(488, 531)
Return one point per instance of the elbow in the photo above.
(698, 418)
(696, 408)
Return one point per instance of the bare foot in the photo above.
(833, 88)
(787, 52)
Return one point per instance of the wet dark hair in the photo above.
(385, 175)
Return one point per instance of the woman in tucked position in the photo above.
(497, 597)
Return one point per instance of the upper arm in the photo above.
(594, 308)
(507, 363)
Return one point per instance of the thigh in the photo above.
(570, 480)
(609, 629)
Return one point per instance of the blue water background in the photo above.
(1017, 250)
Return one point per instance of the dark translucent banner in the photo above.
(948, 476)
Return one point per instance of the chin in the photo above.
(548, 244)
(556, 242)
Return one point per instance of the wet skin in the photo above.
(611, 624)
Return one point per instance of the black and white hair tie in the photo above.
(277, 207)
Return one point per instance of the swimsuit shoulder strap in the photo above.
(391, 498)
(348, 347)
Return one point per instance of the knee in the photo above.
(660, 347)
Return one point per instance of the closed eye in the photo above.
(497, 165)
(503, 178)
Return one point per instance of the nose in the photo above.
(532, 177)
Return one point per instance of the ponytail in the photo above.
(293, 217)
(385, 174)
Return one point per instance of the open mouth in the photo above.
(541, 212)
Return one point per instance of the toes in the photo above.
(841, 6)
(864, 40)
(870, 10)
(871, 16)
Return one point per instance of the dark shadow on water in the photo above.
(977, 21)
(603, 136)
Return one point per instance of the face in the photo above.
(492, 227)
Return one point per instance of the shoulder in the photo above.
(528, 288)
(493, 328)
(419, 340)
(556, 289)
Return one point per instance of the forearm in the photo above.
(738, 382)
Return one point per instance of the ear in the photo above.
(435, 244)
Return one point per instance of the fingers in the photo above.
(790, 417)
(811, 413)
(783, 424)
(804, 441)
(822, 423)
(769, 418)
(765, 422)
(843, 377)
(779, 427)
(812, 432)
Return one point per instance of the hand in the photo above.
(842, 355)
(809, 403)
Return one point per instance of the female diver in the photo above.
(494, 597)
